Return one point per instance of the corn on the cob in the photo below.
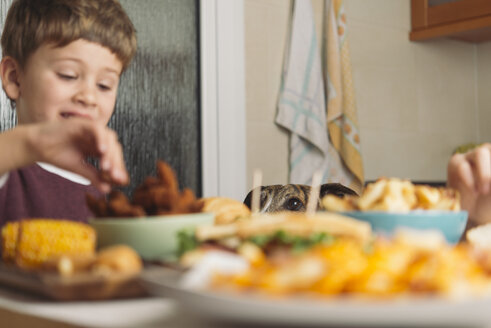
(9, 240)
(30, 243)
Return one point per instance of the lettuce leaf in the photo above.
(186, 241)
(298, 244)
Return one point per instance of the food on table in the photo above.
(68, 265)
(480, 236)
(30, 243)
(226, 210)
(462, 149)
(395, 195)
(296, 223)
(284, 229)
(116, 205)
(117, 259)
(155, 196)
(65, 247)
(412, 263)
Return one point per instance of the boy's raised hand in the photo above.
(470, 174)
(67, 144)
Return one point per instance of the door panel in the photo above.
(157, 111)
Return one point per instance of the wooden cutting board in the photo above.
(81, 286)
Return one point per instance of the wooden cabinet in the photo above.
(466, 20)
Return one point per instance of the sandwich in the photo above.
(291, 231)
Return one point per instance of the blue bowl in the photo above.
(451, 224)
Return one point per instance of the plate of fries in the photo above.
(328, 270)
(389, 204)
(252, 310)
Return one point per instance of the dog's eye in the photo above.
(293, 204)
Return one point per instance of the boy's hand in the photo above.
(68, 143)
(470, 174)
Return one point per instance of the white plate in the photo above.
(297, 312)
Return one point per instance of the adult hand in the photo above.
(470, 174)
(67, 144)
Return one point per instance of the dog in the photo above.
(293, 197)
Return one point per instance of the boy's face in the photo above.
(80, 79)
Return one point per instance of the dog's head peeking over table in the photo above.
(293, 197)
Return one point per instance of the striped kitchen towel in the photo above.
(342, 118)
(302, 104)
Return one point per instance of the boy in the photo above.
(62, 61)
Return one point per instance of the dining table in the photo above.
(157, 307)
(18, 309)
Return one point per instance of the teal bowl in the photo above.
(153, 237)
(450, 224)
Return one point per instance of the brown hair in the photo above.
(32, 23)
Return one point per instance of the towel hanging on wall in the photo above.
(302, 105)
(342, 118)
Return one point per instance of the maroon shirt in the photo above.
(33, 192)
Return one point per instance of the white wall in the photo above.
(483, 72)
(265, 33)
(416, 101)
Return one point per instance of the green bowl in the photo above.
(451, 224)
(153, 237)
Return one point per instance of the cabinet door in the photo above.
(468, 20)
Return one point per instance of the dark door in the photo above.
(157, 111)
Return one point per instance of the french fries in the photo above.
(408, 264)
(395, 195)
